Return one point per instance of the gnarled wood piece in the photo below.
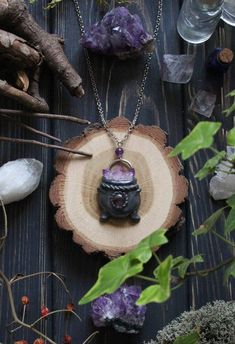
(14, 16)
(34, 102)
(74, 190)
(16, 50)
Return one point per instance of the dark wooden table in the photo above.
(35, 243)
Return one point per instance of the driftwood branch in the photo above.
(35, 103)
(29, 128)
(44, 115)
(15, 17)
(16, 50)
(46, 145)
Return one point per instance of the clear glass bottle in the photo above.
(228, 13)
(198, 19)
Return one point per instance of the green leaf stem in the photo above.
(210, 165)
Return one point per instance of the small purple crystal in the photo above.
(119, 152)
(119, 33)
(119, 310)
(119, 173)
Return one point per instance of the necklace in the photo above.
(119, 193)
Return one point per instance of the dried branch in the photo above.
(45, 115)
(55, 312)
(29, 128)
(46, 145)
(13, 310)
(16, 50)
(91, 337)
(35, 104)
(4, 236)
(48, 273)
(14, 16)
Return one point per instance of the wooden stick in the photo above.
(28, 127)
(36, 104)
(46, 145)
(44, 115)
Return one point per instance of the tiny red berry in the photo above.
(70, 307)
(39, 341)
(44, 311)
(25, 300)
(67, 339)
(21, 342)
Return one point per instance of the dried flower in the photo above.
(119, 33)
(119, 310)
(39, 341)
(67, 339)
(214, 322)
(70, 307)
(25, 300)
(44, 311)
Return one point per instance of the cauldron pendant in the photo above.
(119, 193)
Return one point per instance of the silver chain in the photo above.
(118, 142)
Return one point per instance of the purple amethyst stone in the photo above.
(119, 173)
(119, 310)
(119, 152)
(119, 33)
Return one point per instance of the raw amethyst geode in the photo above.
(119, 33)
(119, 310)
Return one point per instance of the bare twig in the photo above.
(48, 273)
(46, 145)
(33, 130)
(3, 238)
(36, 104)
(91, 337)
(13, 310)
(45, 115)
(55, 312)
(210, 270)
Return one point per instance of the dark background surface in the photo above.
(36, 244)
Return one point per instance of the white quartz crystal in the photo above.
(19, 178)
(222, 185)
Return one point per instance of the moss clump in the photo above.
(215, 323)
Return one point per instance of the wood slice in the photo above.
(74, 190)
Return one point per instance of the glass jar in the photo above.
(198, 19)
(228, 13)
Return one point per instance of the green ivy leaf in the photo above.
(230, 222)
(113, 274)
(230, 271)
(231, 201)
(52, 4)
(177, 261)
(202, 136)
(183, 267)
(209, 223)
(210, 165)
(231, 137)
(231, 109)
(162, 291)
(191, 338)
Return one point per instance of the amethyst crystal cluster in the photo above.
(119, 310)
(119, 33)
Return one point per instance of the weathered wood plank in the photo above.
(200, 204)
(28, 246)
(35, 244)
